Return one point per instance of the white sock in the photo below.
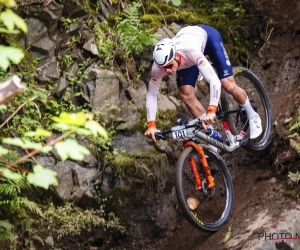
(249, 110)
(200, 117)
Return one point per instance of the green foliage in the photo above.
(295, 143)
(66, 61)
(295, 134)
(10, 195)
(70, 220)
(130, 36)
(164, 119)
(11, 23)
(105, 42)
(76, 123)
(91, 6)
(149, 166)
(6, 234)
(296, 126)
(66, 22)
(175, 2)
(29, 122)
(133, 35)
(294, 177)
(12, 200)
(42, 177)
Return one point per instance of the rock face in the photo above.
(67, 50)
(154, 214)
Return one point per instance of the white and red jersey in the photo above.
(190, 43)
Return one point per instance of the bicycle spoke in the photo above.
(258, 98)
(210, 209)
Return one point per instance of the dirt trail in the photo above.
(259, 190)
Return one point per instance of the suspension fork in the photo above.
(204, 163)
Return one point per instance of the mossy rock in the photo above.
(160, 7)
(164, 119)
(153, 19)
(149, 166)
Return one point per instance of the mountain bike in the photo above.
(203, 184)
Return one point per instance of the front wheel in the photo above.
(249, 82)
(206, 209)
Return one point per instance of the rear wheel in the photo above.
(206, 209)
(249, 82)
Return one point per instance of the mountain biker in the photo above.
(184, 55)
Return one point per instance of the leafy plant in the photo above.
(175, 2)
(295, 135)
(295, 143)
(10, 195)
(11, 24)
(133, 35)
(105, 42)
(13, 201)
(5, 231)
(69, 220)
(294, 177)
(79, 123)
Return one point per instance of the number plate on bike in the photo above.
(181, 133)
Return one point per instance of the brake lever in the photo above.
(160, 136)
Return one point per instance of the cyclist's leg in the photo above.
(217, 53)
(186, 79)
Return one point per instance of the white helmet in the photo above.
(164, 52)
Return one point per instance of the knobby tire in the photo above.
(248, 81)
(213, 210)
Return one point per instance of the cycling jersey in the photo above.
(192, 44)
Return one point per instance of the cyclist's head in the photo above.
(164, 52)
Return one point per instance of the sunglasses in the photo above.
(169, 66)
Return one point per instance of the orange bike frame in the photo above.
(204, 163)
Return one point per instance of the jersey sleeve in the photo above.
(209, 75)
(153, 88)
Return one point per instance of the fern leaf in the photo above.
(295, 126)
(23, 183)
(32, 206)
(11, 156)
(6, 236)
(9, 188)
(5, 231)
(5, 225)
(295, 177)
(295, 145)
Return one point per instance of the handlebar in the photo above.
(163, 134)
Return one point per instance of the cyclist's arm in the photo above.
(153, 88)
(151, 101)
(210, 76)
